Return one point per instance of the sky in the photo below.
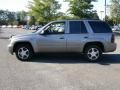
(19, 5)
(100, 6)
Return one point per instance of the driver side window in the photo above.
(56, 28)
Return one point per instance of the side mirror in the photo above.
(42, 32)
(45, 31)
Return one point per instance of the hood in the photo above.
(31, 35)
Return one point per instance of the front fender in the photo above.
(33, 43)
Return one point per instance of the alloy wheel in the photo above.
(23, 53)
(93, 53)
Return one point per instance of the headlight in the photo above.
(12, 36)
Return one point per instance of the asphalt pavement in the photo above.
(57, 71)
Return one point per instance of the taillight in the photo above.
(113, 38)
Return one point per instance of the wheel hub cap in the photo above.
(23, 53)
(93, 53)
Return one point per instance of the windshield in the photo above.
(38, 31)
(41, 29)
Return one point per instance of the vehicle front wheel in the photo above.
(24, 52)
(93, 53)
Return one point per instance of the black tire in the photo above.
(27, 51)
(93, 53)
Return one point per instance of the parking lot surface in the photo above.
(57, 71)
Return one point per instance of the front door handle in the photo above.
(61, 37)
(86, 37)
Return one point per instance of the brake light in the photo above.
(113, 38)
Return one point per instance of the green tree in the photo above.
(31, 21)
(21, 17)
(11, 17)
(81, 8)
(7, 17)
(115, 11)
(44, 10)
(3, 17)
(94, 15)
(108, 20)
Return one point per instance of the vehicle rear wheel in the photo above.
(24, 52)
(93, 53)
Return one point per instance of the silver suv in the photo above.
(90, 37)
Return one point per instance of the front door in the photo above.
(53, 39)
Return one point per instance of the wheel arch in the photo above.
(97, 43)
(22, 43)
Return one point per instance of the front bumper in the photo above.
(10, 49)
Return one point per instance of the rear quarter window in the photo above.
(100, 27)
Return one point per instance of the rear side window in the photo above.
(100, 27)
(77, 27)
(83, 28)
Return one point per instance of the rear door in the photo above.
(77, 36)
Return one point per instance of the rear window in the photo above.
(77, 27)
(100, 27)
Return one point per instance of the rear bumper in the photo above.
(110, 47)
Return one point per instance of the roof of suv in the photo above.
(78, 20)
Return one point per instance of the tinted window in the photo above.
(77, 27)
(83, 28)
(100, 27)
(74, 27)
